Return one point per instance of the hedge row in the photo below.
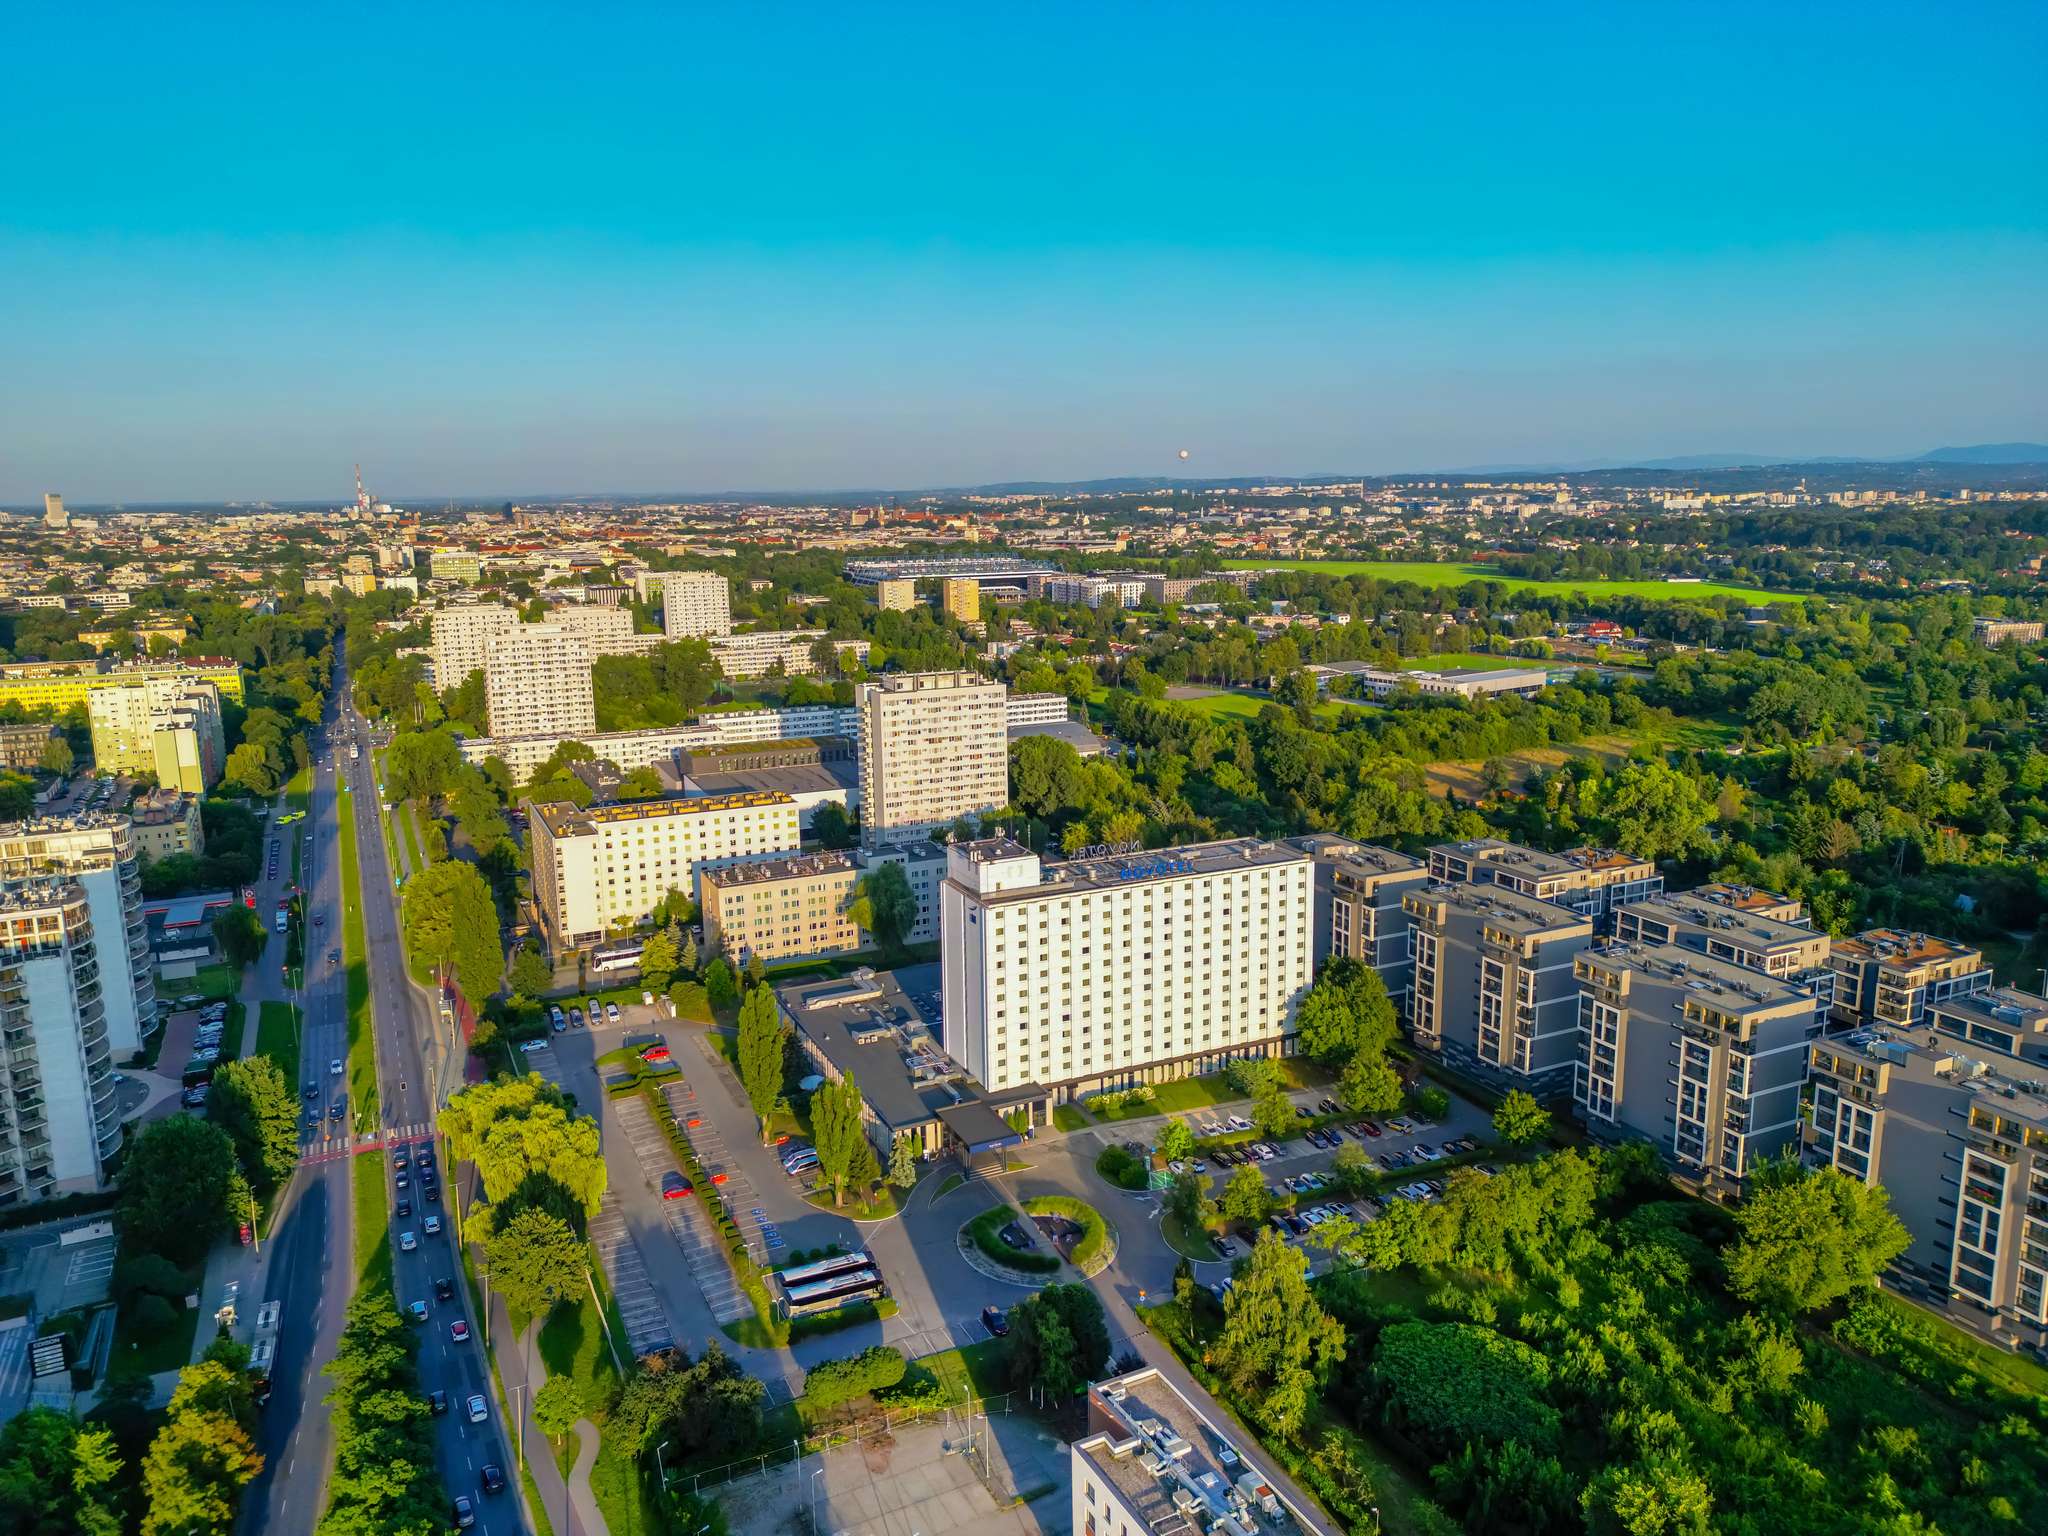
(1094, 1230)
(832, 1382)
(986, 1230)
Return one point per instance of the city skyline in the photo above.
(709, 253)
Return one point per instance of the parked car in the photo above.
(675, 1187)
(996, 1321)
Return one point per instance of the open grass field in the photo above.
(1245, 702)
(1428, 573)
(277, 1036)
(355, 958)
(1465, 778)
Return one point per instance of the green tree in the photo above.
(640, 784)
(530, 973)
(1246, 1199)
(1805, 1238)
(1176, 1142)
(837, 1133)
(1276, 1342)
(56, 1479)
(832, 827)
(1059, 1342)
(259, 1109)
(760, 1047)
(451, 924)
(525, 1143)
(249, 768)
(1272, 1111)
(1186, 1199)
(658, 960)
(902, 1163)
(203, 1456)
(557, 1406)
(884, 906)
(1369, 1085)
(178, 1186)
(536, 1260)
(239, 932)
(721, 990)
(58, 758)
(1520, 1118)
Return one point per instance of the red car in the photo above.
(718, 1178)
(675, 1187)
(655, 1053)
(694, 1121)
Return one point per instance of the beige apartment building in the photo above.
(606, 629)
(463, 636)
(22, 746)
(60, 1119)
(598, 868)
(791, 908)
(1493, 989)
(167, 823)
(1961, 1147)
(537, 681)
(934, 747)
(1699, 1056)
(1102, 972)
(960, 596)
(897, 593)
(693, 603)
(168, 726)
(1591, 881)
(759, 652)
(1890, 976)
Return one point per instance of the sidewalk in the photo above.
(519, 1373)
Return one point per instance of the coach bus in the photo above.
(621, 956)
(830, 1295)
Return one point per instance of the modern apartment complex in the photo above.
(1961, 1147)
(57, 685)
(1592, 881)
(1754, 902)
(1889, 976)
(2002, 1020)
(1107, 971)
(537, 682)
(1791, 952)
(1359, 915)
(464, 635)
(609, 864)
(1699, 1056)
(59, 1120)
(758, 652)
(167, 726)
(692, 602)
(1493, 989)
(98, 853)
(934, 747)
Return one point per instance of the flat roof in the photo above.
(796, 779)
(2004, 1008)
(871, 1005)
(1744, 898)
(1368, 856)
(1897, 946)
(783, 866)
(1752, 928)
(1502, 907)
(564, 818)
(1171, 1456)
(1734, 987)
(1114, 871)
(1072, 732)
(1940, 1059)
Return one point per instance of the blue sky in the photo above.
(513, 249)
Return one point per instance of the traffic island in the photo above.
(1006, 1246)
(1076, 1229)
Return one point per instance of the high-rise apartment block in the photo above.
(60, 1123)
(1492, 989)
(98, 853)
(1107, 971)
(961, 599)
(1889, 976)
(897, 593)
(597, 867)
(1699, 1056)
(2002, 1020)
(934, 747)
(1792, 952)
(1961, 1147)
(463, 636)
(692, 602)
(537, 680)
(606, 629)
(1592, 881)
(166, 725)
(58, 685)
(54, 515)
(1359, 915)
(447, 563)
(22, 747)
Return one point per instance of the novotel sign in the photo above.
(1148, 869)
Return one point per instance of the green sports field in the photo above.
(1428, 573)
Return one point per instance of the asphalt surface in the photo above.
(311, 1256)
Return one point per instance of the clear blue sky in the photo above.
(522, 249)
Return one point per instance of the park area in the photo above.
(1431, 573)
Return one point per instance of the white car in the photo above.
(1239, 1123)
(407, 1242)
(334, 1067)
(478, 1410)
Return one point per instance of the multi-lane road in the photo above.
(310, 1264)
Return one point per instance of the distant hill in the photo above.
(1988, 453)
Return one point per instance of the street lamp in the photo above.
(814, 1499)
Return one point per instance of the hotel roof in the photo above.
(1110, 872)
(566, 819)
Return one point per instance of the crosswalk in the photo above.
(326, 1149)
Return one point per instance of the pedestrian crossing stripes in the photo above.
(325, 1149)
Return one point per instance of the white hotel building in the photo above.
(607, 864)
(1101, 972)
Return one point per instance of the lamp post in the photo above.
(814, 1499)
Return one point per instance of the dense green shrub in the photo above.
(830, 1383)
(1122, 1167)
(986, 1232)
(1094, 1230)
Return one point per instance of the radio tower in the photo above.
(362, 496)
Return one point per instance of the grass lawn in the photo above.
(362, 1036)
(370, 1206)
(277, 1037)
(1191, 1242)
(975, 1370)
(1429, 573)
(1246, 703)
(2014, 1372)
(298, 795)
(1070, 1117)
(572, 1345)
(1182, 1094)
(165, 1349)
(408, 824)
(217, 980)
(885, 1203)
(1451, 659)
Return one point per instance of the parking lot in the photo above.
(639, 1307)
(727, 1177)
